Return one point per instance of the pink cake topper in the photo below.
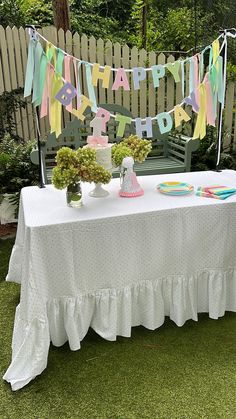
(97, 138)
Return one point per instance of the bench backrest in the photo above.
(75, 134)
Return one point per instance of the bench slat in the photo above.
(177, 154)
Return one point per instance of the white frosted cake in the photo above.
(103, 150)
(103, 156)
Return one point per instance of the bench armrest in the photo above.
(187, 144)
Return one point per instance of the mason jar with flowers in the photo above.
(74, 167)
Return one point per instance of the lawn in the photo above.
(187, 372)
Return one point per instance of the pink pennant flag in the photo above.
(196, 79)
(44, 111)
(78, 102)
(44, 104)
(50, 80)
(67, 60)
(210, 114)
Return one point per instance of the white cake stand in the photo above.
(98, 191)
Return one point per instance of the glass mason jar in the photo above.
(74, 195)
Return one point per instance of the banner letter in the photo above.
(123, 120)
(85, 102)
(180, 115)
(66, 94)
(164, 121)
(145, 126)
(105, 115)
(174, 69)
(102, 75)
(121, 80)
(158, 71)
(139, 74)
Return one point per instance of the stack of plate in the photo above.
(175, 188)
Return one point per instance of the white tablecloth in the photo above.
(118, 263)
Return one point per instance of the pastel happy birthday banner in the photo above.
(48, 79)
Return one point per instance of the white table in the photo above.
(118, 263)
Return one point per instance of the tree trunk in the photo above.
(61, 14)
(144, 24)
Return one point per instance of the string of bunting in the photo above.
(48, 78)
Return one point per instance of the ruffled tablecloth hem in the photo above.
(113, 312)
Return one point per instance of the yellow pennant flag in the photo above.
(200, 127)
(55, 105)
(215, 52)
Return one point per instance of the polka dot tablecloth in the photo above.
(118, 263)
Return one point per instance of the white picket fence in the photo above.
(144, 102)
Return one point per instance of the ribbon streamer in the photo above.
(191, 75)
(60, 59)
(77, 81)
(30, 68)
(200, 128)
(36, 81)
(68, 77)
(90, 87)
(223, 102)
(182, 78)
(211, 111)
(55, 106)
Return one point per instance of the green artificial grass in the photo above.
(172, 373)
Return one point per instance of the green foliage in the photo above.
(10, 102)
(16, 168)
(22, 12)
(102, 19)
(140, 148)
(175, 30)
(205, 157)
(164, 32)
(170, 24)
(119, 152)
(131, 147)
(231, 72)
(37, 12)
(10, 13)
(74, 166)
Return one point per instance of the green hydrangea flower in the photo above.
(133, 146)
(119, 152)
(73, 166)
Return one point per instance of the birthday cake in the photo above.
(102, 148)
(99, 143)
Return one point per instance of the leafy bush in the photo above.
(10, 102)
(205, 157)
(37, 12)
(11, 14)
(16, 168)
